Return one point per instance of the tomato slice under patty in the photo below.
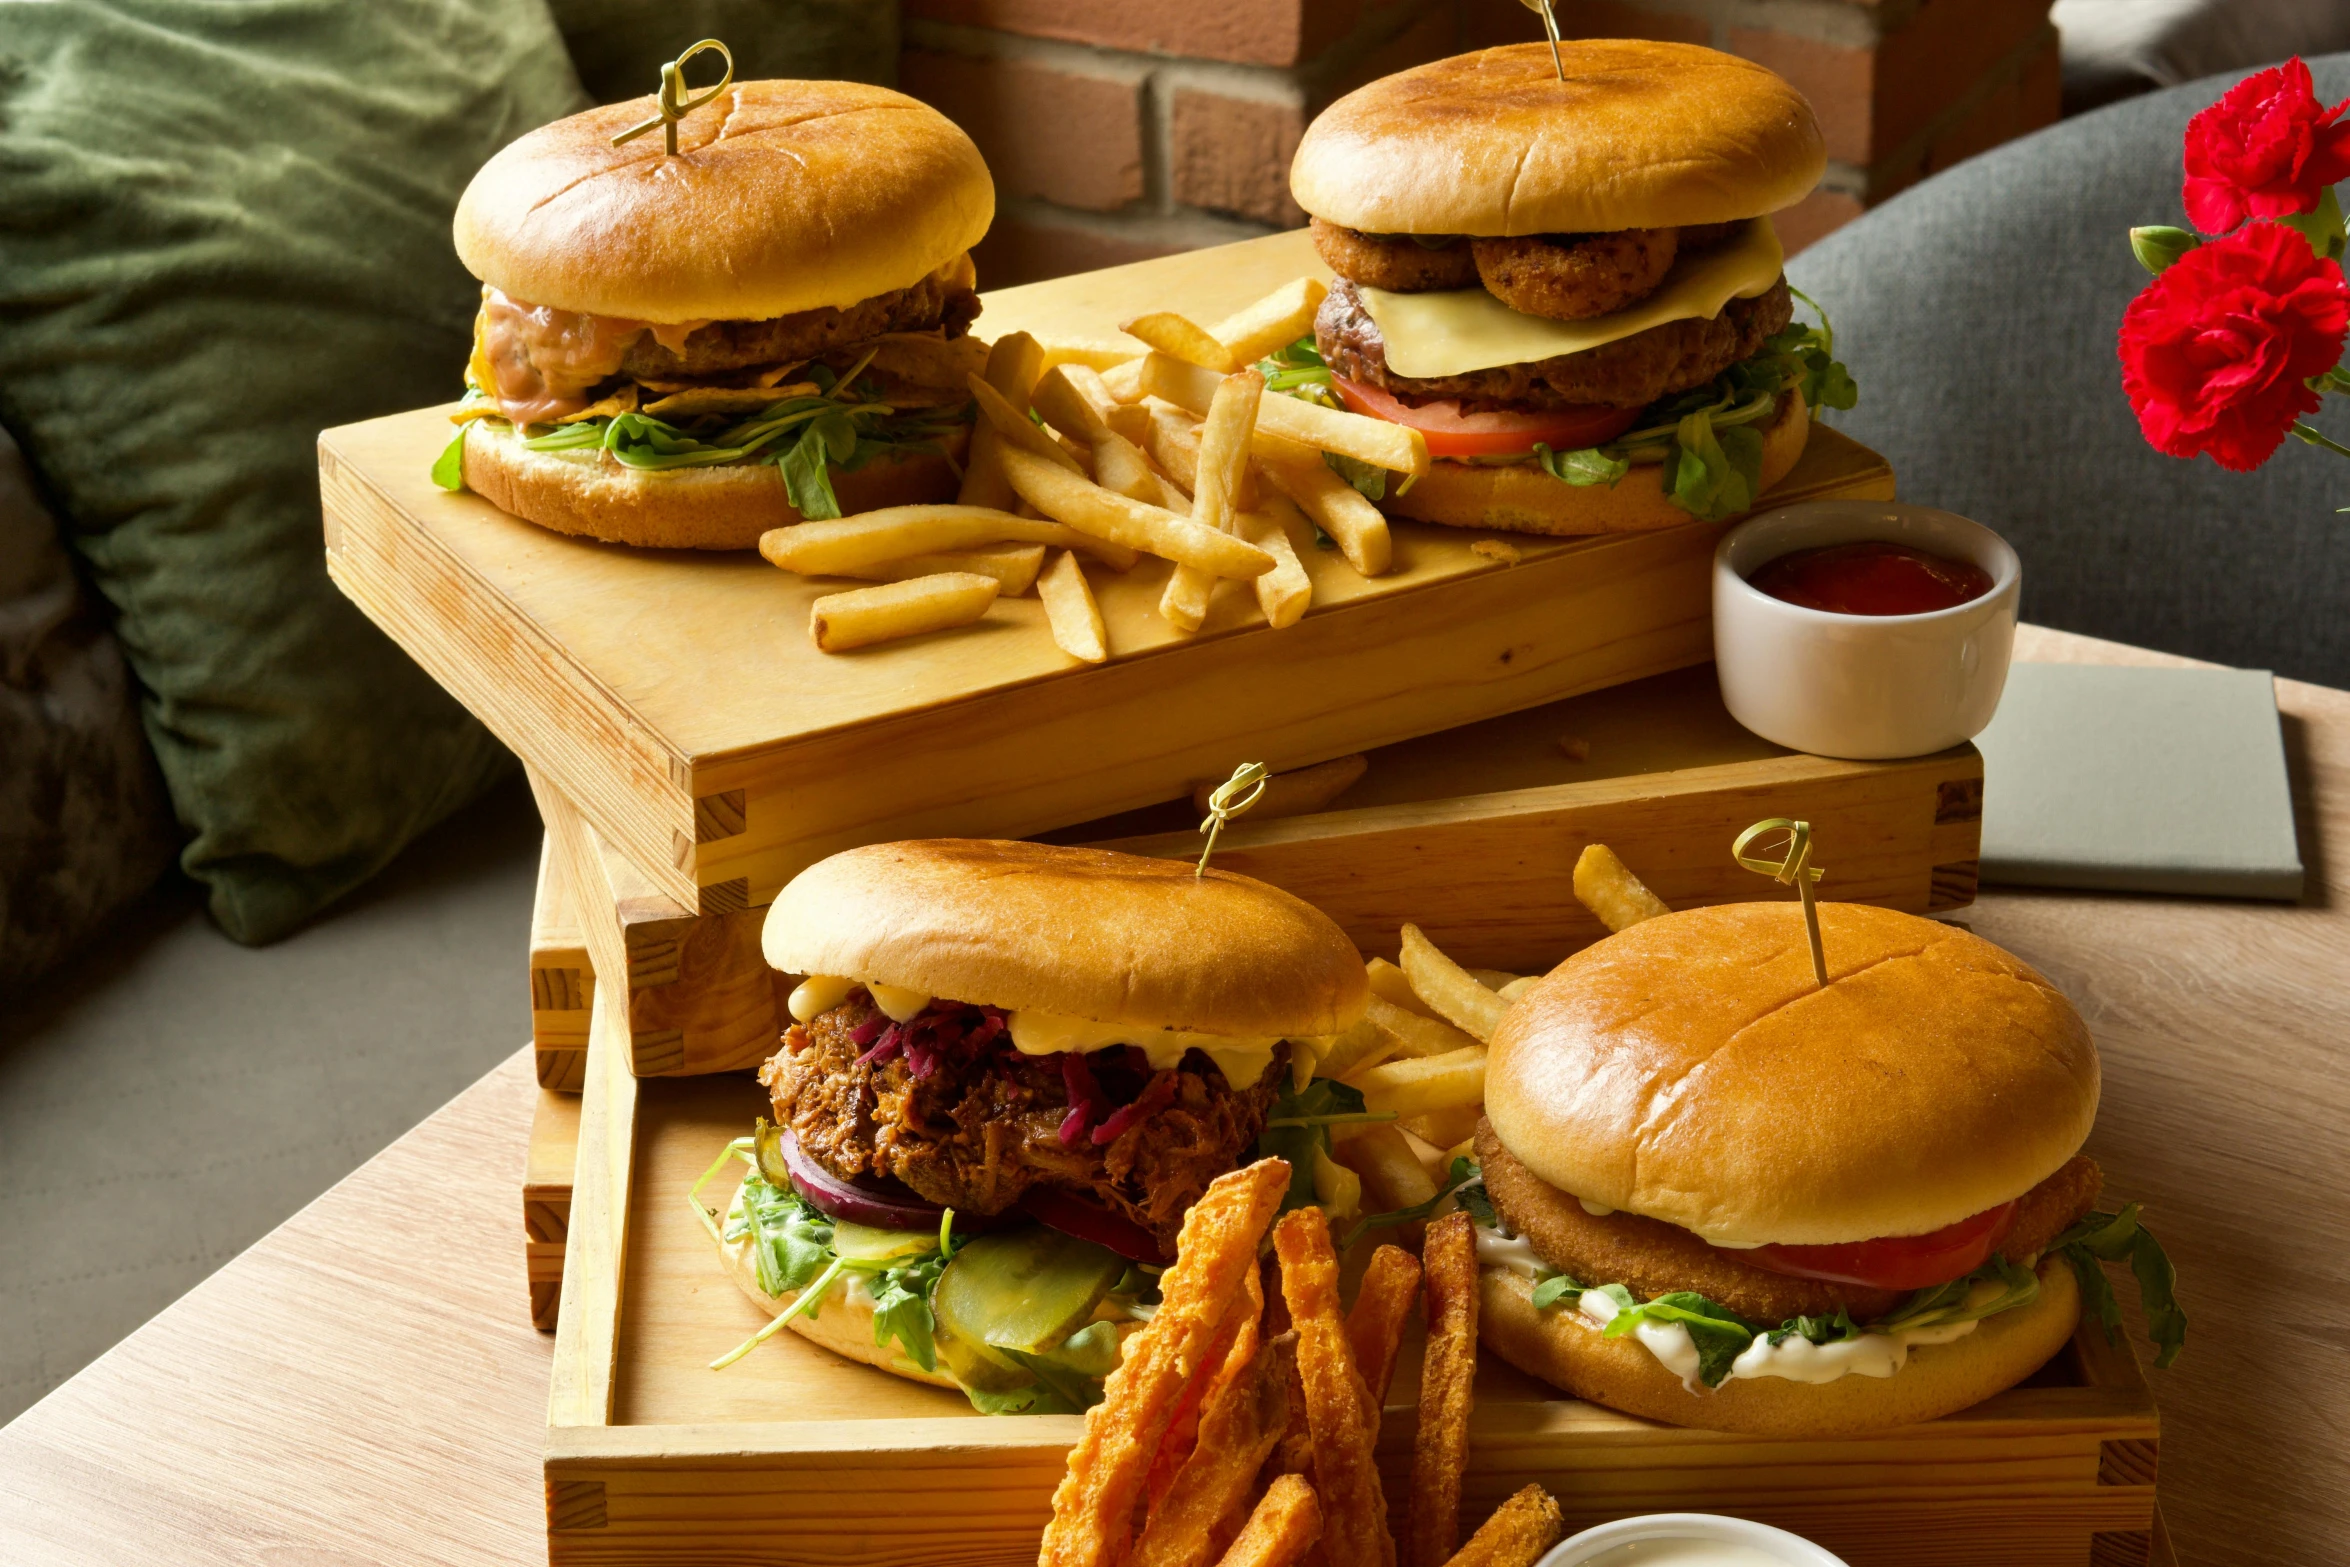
(1452, 433)
(1902, 1262)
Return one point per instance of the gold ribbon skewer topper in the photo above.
(1228, 799)
(1794, 865)
(674, 104)
(1550, 25)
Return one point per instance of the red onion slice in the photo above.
(885, 1205)
(1074, 1215)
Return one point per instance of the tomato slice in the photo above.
(1452, 433)
(1902, 1262)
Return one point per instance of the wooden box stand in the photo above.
(676, 700)
(793, 1456)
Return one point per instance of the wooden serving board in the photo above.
(794, 1456)
(675, 699)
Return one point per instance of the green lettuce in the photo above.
(1297, 370)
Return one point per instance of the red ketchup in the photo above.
(1871, 578)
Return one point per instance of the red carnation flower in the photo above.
(2216, 352)
(2268, 149)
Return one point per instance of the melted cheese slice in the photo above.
(1464, 330)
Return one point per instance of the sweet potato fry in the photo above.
(1238, 1428)
(1448, 1378)
(1520, 1531)
(1283, 1528)
(1229, 1357)
(1605, 885)
(1375, 1327)
(1093, 1507)
(1354, 1507)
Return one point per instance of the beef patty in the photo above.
(1631, 372)
(1650, 1257)
(981, 1125)
(943, 299)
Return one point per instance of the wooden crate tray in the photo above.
(795, 1456)
(676, 700)
(546, 1197)
(562, 979)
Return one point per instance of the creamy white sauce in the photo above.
(1598, 1210)
(1794, 1359)
(1685, 1552)
(1034, 1033)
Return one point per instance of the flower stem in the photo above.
(2317, 437)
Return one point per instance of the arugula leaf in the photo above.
(791, 1239)
(448, 469)
(1713, 474)
(1554, 1288)
(1720, 1334)
(1479, 1206)
(1463, 1173)
(1298, 1127)
(1297, 369)
(1035, 1399)
(901, 1309)
(1591, 465)
(1816, 1330)
(1368, 479)
(2113, 1237)
(1073, 1389)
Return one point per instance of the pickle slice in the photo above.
(979, 1367)
(767, 1145)
(1026, 1289)
(864, 1243)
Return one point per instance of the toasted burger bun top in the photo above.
(1077, 932)
(1690, 1069)
(783, 196)
(1639, 135)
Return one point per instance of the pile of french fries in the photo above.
(1175, 452)
(1241, 1425)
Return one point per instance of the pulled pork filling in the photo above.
(947, 1105)
(544, 364)
(1651, 1258)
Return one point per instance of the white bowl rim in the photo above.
(2006, 579)
(1794, 1549)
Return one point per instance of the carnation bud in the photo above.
(2159, 245)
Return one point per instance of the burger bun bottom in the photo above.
(1521, 498)
(1566, 1350)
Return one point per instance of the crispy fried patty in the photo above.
(1631, 372)
(938, 300)
(1395, 262)
(1650, 1257)
(1574, 277)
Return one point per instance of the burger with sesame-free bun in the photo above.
(1011, 1069)
(1715, 1193)
(683, 350)
(1571, 286)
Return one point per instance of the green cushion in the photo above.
(222, 227)
(618, 45)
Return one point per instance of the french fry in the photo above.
(1093, 1506)
(1275, 321)
(1375, 1327)
(1520, 1533)
(1014, 566)
(1091, 353)
(1453, 991)
(1285, 592)
(1299, 792)
(1424, 1083)
(1119, 464)
(1392, 1174)
(863, 616)
(1070, 610)
(1171, 436)
(1420, 1036)
(1448, 1375)
(1282, 1528)
(1389, 981)
(1445, 1128)
(1239, 1425)
(1519, 986)
(1365, 1044)
(1013, 364)
(1605, 885)
(1086, 506)
(1066, 408)
(1188, 341)
(1354, 1507)
(1357, 527)
(1375, 441)
(1124, 379)
(1222, 461)
(1017, 433)
(842, 546)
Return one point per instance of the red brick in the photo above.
(1839, 80)
(1232, 155)
(1819, 214)
(1948, 46)
(1488, 23)
(1025, 250)
(1249, 32)
(2029, 100)
(1075, 140)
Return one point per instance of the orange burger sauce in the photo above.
(1871, 578)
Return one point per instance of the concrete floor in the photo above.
(171, 1096)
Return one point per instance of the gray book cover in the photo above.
(2139, 780)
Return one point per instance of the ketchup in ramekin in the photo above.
(1870, 577)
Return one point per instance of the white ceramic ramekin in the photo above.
(1776, 1544)
(1867, 687)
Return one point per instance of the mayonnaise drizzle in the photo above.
(1796, 1359)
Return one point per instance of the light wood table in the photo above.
(362, 1387)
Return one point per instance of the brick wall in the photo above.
(1119, 129)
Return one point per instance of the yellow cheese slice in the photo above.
(1464, 330)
